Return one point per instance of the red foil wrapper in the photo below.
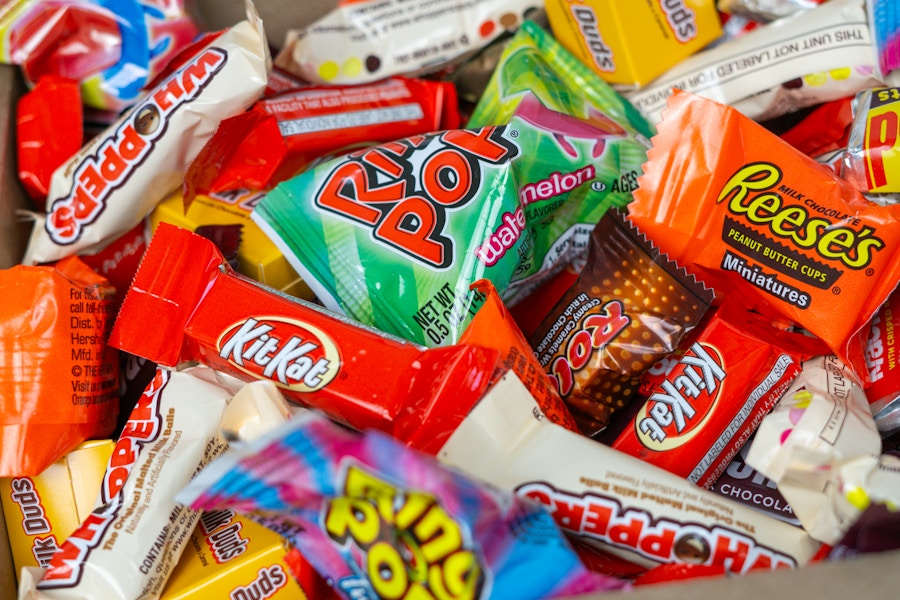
(187, 304)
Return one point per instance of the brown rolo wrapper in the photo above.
(630, 307)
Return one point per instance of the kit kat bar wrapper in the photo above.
(618, 502)
(187, 304)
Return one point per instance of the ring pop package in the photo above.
(380, 520)
(766, 226)
(118, 177)
(390, 234)
(115, 48)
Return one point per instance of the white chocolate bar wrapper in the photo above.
(114, 181)
(127, 547)
(821, 421)
(618, 502)
(828, 50)
(256, 409)
(359, 42)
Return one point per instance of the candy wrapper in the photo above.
(714, 391)
(870, 161)
(362, 41)
(382, 521)
(126, 548)
(614, 501)
(767, 226)
(48, 132)
(112, 183)
(883, 391)
(58, 376)
(533, 61)
(820, 427)
(205, 312)
(801, 60)
(283, 134)
(388, 234)
(629, 308)
(113, 47)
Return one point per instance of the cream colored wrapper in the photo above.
(821, 422)
(127, 547)
(624, 505)
(824, 54)
(112, 183)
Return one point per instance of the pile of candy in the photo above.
(438, 299)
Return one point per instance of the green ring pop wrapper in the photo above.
(393, 236)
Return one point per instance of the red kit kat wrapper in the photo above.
(187, 304)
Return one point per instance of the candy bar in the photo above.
(205, 312)
(117, 178)
(629, 308)
(699, 410)
(127, 547)
(619, 502)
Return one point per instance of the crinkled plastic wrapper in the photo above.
(767, 226)
(381, 521)
(58, 377)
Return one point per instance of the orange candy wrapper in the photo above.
(58, 377)
(762, 223)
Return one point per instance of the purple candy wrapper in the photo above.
(379, 520)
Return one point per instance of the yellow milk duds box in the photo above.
(631, 42)
(257, 256)
(229, 556)
(42, 511)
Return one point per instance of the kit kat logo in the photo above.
(294, 355)
(683, 402)
(402, 191)
(115, 158)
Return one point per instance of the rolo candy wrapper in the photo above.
(630, 307)
(766, 226)
(380, 520)
(58, 377)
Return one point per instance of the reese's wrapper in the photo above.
(767, 226)
(203, 311)
(58, 377)
(629, 307)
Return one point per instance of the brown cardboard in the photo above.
(871, 577)
(13, 230)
